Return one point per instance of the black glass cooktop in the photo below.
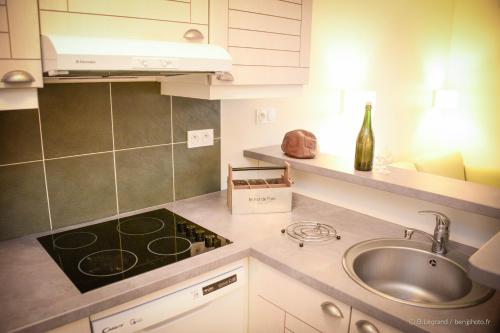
(103, 253)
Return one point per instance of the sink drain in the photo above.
(433, 262)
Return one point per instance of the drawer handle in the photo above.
(193, 34)
(364, 326)
(224, 76)
(331, 309)
(17, 76)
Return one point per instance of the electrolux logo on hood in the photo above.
(79, 61)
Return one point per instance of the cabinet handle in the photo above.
(193, 34)
(17, 76)
(331, 309)
(364, 326)
(224, 76)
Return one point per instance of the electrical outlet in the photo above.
(200, 138)
(265, 115)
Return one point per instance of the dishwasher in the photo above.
(216, 302)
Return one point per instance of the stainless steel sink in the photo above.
(406, 271)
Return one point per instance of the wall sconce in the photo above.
(445, 99)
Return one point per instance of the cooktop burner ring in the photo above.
(131, 255)
(92, 240)
(186, 241)
(310, 231)
(123, 222)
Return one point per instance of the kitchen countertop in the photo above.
(469, 196)
(484, 264)
(35, 295)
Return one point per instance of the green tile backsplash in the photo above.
(81, 188)
(202, 114)
(107, 149)
(76, 118)
(19, 136)
(197, 171)
(23, 200)
(141, 116)
(144, 177)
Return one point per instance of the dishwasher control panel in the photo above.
(219, 284)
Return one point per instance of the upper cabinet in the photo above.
(20, 64)
(269, 41)
(166, 20)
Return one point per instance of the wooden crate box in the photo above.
(248, 196)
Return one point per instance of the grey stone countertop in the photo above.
(472, 197)
(485, 265)
(35, 295)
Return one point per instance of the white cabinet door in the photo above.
(265, 317)
(166, 20)
(296, 325)
(269, 40)
(20, 65)
(363, 323)
(303, 305)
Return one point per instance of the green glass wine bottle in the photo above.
(365, 143)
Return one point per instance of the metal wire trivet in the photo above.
(310, 231)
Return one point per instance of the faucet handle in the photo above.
(441, 219)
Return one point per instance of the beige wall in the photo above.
(474, 71)
(401, 50)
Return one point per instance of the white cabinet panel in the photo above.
(265, 317)
(258, 22)
(269, 7)
(4, 45)
(249, 56)
(305, 33)
(4, 25)
(33, 67)
(23, 29)
(299, 300)
(65, 23)
(263, 40)
(360, 318)
(199, 11)
(153, 9)
(265, 75)
(53, 4)
(296, 325)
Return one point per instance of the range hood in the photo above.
(74, 57)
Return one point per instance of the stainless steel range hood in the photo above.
(89, 57)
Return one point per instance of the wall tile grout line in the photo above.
(19, 163)
(114, 151)
(79, 155)
(100, 152)
(44, 169)
(172, 141)
(145, 147)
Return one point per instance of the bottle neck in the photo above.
(367, 121)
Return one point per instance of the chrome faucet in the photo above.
(441, 232)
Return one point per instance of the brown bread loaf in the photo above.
(300, 144)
